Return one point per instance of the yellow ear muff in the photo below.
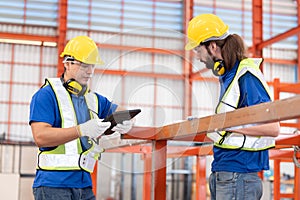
(75, 88)
(219, 68)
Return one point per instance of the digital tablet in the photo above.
(118, 117)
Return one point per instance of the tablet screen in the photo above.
(118, 117)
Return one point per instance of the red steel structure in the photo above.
(188, 77)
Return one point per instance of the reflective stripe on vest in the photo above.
(229, 102)
(65, 157)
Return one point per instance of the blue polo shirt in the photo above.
(252, 92)
(43, 108)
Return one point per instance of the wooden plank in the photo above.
(263, 113)
(194, 130)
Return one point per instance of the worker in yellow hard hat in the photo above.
(66, 119)
(239, 152)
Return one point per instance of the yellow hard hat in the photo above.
(83, 49)
(203, 28)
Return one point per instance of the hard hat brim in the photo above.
(190, 45)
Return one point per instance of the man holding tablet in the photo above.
(63, 125)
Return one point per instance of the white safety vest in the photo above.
(68, 156)
(229, 102)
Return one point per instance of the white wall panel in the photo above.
(108, 38)
(176, 42)
(72, 33)
(11, 28)
(166, 115)
(281, 7)
(170, 93)
(20, 113)
(280, 53)
(286, 73)
(108, 86)
(5, 88)
(205, 98)
(110, 58)
(135, 40)
(3, 116)
(25, 73)
(21, 133)
(169, 64)
(135, 61)
(49, 56)
(139, 90)
(26, 53)
(6, 52)
(41, 31)
(47, 72)
(145, 118)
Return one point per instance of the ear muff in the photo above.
(219, 68)
(75, 88)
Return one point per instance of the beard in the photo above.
(209, 63)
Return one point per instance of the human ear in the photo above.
(213, 46)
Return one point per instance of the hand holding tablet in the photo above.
(118, 118)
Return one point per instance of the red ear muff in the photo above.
(219, 68)
(75, 88)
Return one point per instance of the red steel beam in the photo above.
(279, 37)
(143, 74)
(280, 61)
(141, 49)
(289, 140)
(30, 37)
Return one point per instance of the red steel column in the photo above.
(187, 61)
(297, 183)
(159, 162)
(201, 178)
(61, 33)
(298, 57)
(276, 187)
(257, 27)
(147, 176)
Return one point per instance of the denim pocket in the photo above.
(252, 188)
(225, 176)
(226, 185)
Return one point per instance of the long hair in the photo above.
(233, 48)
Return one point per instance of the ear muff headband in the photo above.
(219, 68)
(75, 88)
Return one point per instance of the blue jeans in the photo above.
(50, 193)
(235, 186)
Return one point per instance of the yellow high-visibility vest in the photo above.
(68, 155)
(229, 102)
